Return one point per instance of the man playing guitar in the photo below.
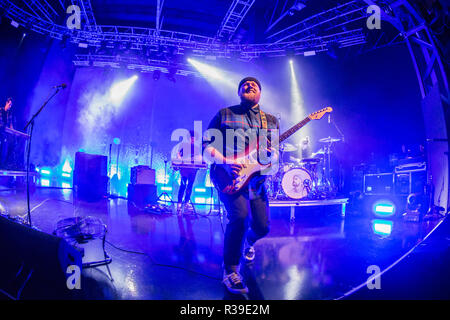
(251, 200)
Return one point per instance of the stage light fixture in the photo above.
(156, 74)
(46, 172)
(15, 24)
(309, 53)
(297, 6)
(67, 168)
(64, 39)
(384, 208)
(171, 74)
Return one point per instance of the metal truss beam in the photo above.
(140, 38)
(131, 63)
(87, 14)
(433, 84)
(322, 22)
(235, 15)
(41, 9)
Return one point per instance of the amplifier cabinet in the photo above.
(379, 183)
(142, 175)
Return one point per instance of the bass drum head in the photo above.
(296, 183)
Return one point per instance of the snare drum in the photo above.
(297, 183)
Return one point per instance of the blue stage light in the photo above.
(200, 200)
(384, 208)
(67, 168)
(382, 227)
(66, 185)
(46, 172)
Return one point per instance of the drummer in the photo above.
(305, 150)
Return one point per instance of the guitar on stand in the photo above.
(230, 183)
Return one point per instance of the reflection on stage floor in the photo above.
(319, 255)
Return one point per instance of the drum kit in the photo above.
(307, 178)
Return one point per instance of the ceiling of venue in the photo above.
(159, 31)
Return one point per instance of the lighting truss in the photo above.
(327, 21)
(87, 14)
(41, 9)
(235, 15)
(333, 26)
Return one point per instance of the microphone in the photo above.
(60, 86)
(329, 118)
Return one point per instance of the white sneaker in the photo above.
(234, 283)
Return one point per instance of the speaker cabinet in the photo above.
(142, 194)
(90, 176)
(34, 264)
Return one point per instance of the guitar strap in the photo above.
(263, 119)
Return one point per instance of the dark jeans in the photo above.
(187, 182)
(240, 207)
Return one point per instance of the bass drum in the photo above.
(297, 183)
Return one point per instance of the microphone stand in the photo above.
(31, 125)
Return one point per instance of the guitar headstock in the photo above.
(319, 114)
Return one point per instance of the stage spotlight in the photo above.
(67, 168)
(298, 5)
(119, 90)
(384, 208)
(309, 53)
(156, 74)
(171, 74)
(63, 43)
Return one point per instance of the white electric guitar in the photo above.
(230, 182)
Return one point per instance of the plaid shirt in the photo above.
(239, 117)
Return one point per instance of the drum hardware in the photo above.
(308, 178)
(329, 140)
(287, 147)
(326, 170)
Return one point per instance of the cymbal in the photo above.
(311, 160)
(287, 147)
(329, 140)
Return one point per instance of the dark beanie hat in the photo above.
(249, 79)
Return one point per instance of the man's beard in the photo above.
(249, 99)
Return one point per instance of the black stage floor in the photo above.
(320, 255)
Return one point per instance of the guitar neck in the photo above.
(294, 129)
